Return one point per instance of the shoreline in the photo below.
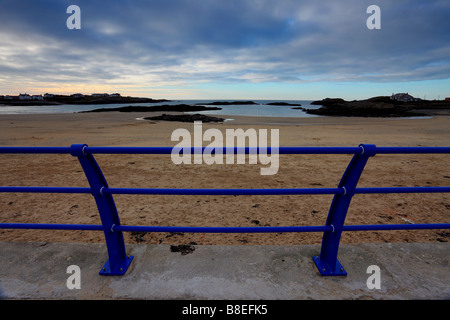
(379, 107)
(239, 119)
(17, 127)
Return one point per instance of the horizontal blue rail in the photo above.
(403, 190)
(233, 192)
(35, 150)
(217, 192)
(327, 262)
(169, 150)
(173, 229)
(51, 226)
(280, 150)
(45, 190)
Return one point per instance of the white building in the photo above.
(403, 97)
(37, 97)
(24, 96)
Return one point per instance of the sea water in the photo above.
(260, 109)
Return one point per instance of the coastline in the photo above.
(123, 129)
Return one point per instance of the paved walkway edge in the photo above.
(406, 271)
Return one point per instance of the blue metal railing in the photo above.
(327, 262)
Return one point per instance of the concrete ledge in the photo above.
(408, 271)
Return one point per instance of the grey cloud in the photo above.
(243, 41)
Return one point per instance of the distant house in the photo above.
(37, 97)
(115, 95)
(8, 97)
(24, 96)
(403, 97)
(100, 95)
(77, 95)
(48, 95)
(447, 99)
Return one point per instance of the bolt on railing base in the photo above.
(118, 270)
(325, 269)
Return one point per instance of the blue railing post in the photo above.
(118, 262)
(327, 262)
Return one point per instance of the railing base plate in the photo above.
(325, 269)
(119, 270)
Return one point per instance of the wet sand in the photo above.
(158, 171)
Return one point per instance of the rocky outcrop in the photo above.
(162, 108)
(376, 107)
(185, 118)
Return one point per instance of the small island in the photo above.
(160, 108)
(399, 105)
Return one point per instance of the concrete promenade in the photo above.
(407, 271)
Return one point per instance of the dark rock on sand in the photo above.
(185, 118)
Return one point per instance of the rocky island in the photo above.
(382, 106)
(160, 108)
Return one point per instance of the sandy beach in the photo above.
(158, 171)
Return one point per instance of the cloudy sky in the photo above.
(226, 49)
